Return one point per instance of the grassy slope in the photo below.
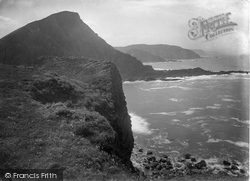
(49, 121)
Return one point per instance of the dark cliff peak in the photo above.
(64, 34)
(162, 50)
(65, 14)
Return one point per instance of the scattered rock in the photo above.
(196, 171)
(233, 167)
(215, 171)
(163, 167)
(193, 160)
(151, 159)
(226, 163)
(162, 160)
(169, 167)
(179, 165)
(187, 156)
(164, 156)
(150, 165)
(235, 163)
(181, 160)
(201, 164)
(190, 166)
(242, 171)
(149, 152)
(169, 163)
(140, 150)
(159, 167)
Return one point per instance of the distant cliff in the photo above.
(144, 56)
(199, 52)
(64, 112)
(164, 51)
(64, 34)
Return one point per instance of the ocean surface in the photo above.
(205, 116)
(208, 63)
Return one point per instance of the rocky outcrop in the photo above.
(62, 110)
(103, 76)
(164, 167)
(164, 51)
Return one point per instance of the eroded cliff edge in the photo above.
(66, 112)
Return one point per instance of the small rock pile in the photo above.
(164, 167)
(158, 167)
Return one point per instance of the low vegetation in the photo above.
(49, 121)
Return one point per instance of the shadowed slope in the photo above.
(63, 34)
(163, 51)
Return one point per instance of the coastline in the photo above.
(186, 166)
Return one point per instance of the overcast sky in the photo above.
(125, 22)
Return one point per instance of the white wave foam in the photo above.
(145, 89)
(241, 121)
(227, 100)
(166, 113)
(237, 143)
(167, 87)
(201, 77)
(180, 87)
(198, 118)
(188, 112)
(139, 124)
(175, 120)
(161, 139)
(215, 106)
(176, 100)
(192, 110)
(134, 82)
(221, 96)
(220, 118)
(159, 88)
(228, 76)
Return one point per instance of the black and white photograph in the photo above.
(124, 90)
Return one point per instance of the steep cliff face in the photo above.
(65, 112)
(163, 51)
(63, 34)
(102, 76)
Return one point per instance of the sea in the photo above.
(205, 116)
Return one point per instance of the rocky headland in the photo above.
(152, 53)
(67, 112)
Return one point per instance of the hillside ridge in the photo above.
(162, 50)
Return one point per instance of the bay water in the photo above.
(205, 116)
